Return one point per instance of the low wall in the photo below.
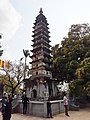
(39, 108)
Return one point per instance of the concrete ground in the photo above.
(82, 114)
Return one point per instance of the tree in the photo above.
(26, 54)
(83, 72)
(70, 56)
(13, 77)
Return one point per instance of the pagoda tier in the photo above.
(40, 48)
(42, 67)
(43, 59)
(39, 42)
(41, 37)
(41, 33)
(41, 27)
(40, 55)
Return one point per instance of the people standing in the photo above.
(7, 108)
(25, 100)
(3, 103)
(49, 110)
(65, 100)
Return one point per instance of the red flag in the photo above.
(1, 64)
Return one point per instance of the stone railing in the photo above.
(39, 108)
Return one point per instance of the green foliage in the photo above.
(13, 78)
(76, 87)
(83, 71)
(71, 60)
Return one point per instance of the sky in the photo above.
(17, 18)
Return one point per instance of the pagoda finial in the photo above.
(41, 12)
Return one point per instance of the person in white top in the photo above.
(65, 101)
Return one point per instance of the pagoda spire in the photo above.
(41, 12)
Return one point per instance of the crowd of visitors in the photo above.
(7, 106)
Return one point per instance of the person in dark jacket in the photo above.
(49, 110)
(3, 103)
(8, 108)
(25, 100)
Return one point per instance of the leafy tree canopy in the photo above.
(71, 60)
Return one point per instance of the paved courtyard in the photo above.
(82, 114)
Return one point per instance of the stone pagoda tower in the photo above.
(41, 84)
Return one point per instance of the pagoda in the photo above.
(41, 84)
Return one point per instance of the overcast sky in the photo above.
(17, 18)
